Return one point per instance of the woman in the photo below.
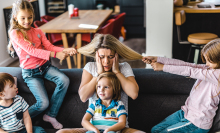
(107, 50)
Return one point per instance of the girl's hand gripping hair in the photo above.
(157, 66)
(149, 59)
(61, 55)
(99, 63)
(70, 51)
(115, 66)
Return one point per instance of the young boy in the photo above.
(14, 116)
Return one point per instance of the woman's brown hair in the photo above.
(109, 42)
(114, 82)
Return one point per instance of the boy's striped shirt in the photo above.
(104, 117)
(11, 117)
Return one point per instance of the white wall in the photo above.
(5, 59)
(159, 19)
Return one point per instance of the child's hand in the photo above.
(149, 59)
(61, 55)
(70, 51)
(106, 131)
(157, 66)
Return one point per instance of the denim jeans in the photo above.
(35, 130)
(176, 123)
(35, 81)
(101, 131)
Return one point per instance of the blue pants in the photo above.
(35, 81)
(176, 123)
(101, 131)
(35, 130)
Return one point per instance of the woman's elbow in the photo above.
(82, 97)
(134, 96)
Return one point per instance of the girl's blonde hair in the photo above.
(212, 52)
(109, 42)
(17, 6)
(114, 82)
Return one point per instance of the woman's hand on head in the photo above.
(157, 66)
(61, 55)
(99, 63)
(149, 59)
(115, 65)
(70, 51)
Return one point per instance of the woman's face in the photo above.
(106, 56)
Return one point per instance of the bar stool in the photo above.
(197, 40)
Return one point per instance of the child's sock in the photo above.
(53, 121)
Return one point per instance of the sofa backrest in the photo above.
(160, 94)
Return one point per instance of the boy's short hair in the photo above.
(114, 82)
(4, 78)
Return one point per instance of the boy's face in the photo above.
(104, 89)
(24, 18)
(10, 91)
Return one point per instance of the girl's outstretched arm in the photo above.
(86, 123)
(209, 75)
(176, 62)
(27, 46)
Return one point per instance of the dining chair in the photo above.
(54, 37)
(197, 40)
(51, 39)
(119, 20)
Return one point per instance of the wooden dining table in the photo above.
(63, 24)
(192, 7)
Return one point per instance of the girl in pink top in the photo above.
(34, 51)
(196, 116)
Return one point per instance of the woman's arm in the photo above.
(87, 86)
(86, 123)
(118, 126)
(27, 122)
(129, 84)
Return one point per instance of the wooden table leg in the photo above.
(79, 44)
(65, 45)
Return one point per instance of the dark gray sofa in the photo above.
(160, 95)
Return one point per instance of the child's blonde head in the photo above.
(212, 52)
(4, 79)
(114, 82)
(17, 6)
(109, 42)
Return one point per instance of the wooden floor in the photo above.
(137, 44)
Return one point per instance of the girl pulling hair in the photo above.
(112, 118)
(34, 51)
(199, 110)
(106, 49)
